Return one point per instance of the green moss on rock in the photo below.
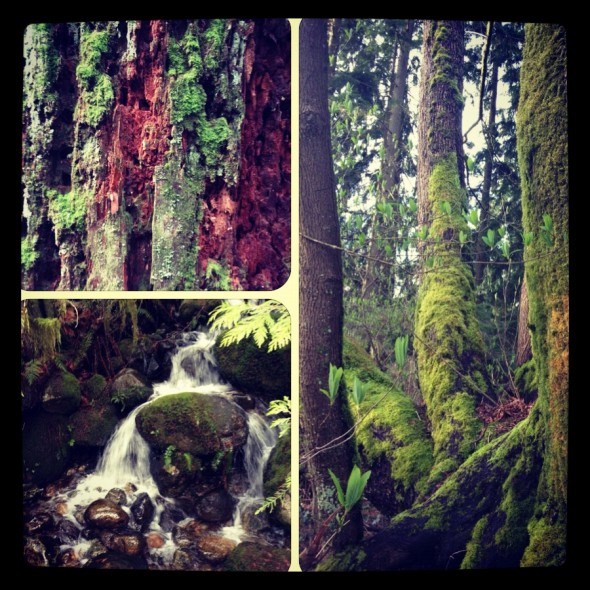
(278, 466)
(192, 422)
(253, 370)
(92, 426)
(62, 394)
(94, 386)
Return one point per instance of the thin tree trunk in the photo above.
(378, 277)
(320, 286)
(480, 250)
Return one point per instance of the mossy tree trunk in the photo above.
(320, 288)
(156, 155)
(447, 341)
(506, 505)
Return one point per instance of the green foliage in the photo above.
(28, 254)
(33, 370)
(217, 276)
(40, 336)
(68, 211)
(359, 390)
(167, 457)
(280, 406)
(334, 379)
(271, 502)
(189, 460)
(489, 239)
(355, 488)
(401, 350)
(267, 323)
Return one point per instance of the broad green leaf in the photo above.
(470, 164)
(338, 487)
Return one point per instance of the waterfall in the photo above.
(261, 440)
(126, 457)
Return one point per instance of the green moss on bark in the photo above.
(448, 342)
(543, 158)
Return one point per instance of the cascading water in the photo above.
(125, 462)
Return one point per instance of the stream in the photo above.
(124, 473)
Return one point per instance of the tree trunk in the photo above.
(156, 155)
(506, 505)
(448, 342)
(523, 338)
(320, 286)
(484, 220)
(378, 277)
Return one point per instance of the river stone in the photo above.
(67, 532)
(96, 548)
(118, 496)
(195, 423)
(129, 389)
(250, 556)
(215, 549)
(244, 400)
(185, 559)
(40, 522)
(155, 540)
(143, 510)
(217, 506)
(170, 516)
(62, 394)
(35, 553)
(128, 543)
(187, 533)
(104, 514)
(67, 558)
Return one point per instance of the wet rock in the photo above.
(253, 370)
(130, 488)
(61, 394)
(282, 515)
(67, 558)
(244, 400)
(40, 522)
(104, 514)
(90, 533)
(118, 496)
(186, 534)
(215, 549)
(254, 523)
(129, 389)
(94, 387)
(170, 516)
(128, 543)
(61, 508)
(117, 561)
(250, 556)
(67, 532)
(217, 506)
(35, 553)
(185, 559)
(96, 548)
(191, 310)
(155, 540)
(143, 511)
(79, 516)
(93, 425)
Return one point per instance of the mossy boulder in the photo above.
(129, 389)
(92, 425)
(46, 451)
(251, 369)
(392, 439)
(94, 387)
(276, 472)
(255, 557)
(194, 423)
(62, 394)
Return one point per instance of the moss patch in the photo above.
(249, 556)
(278, 466)
(254, 370)
(62, 394)
(93, 425)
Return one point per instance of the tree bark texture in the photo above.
(156, 155)
(448, 342)
(320, 286)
